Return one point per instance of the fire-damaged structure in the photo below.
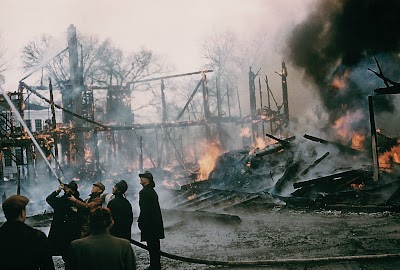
(274, 165)
(75, 148)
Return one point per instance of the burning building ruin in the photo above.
(274, 165)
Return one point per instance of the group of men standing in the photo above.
(86, 234)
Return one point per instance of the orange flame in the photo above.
(245, 132)
(342, 126)
(207, 162)
(340, 82)
(358, 141)
(388, 157)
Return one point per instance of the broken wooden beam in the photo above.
(327, 178)
(285, 142)
(341, 147)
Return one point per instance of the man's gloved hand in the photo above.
(60, 187)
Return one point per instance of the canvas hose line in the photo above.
(361, 258)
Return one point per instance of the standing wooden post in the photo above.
(54, 125)
(261, 104)
(229, 100)
(141, 155)
(269, 103)
(206, 107)
(164, 103)
(76, 83)
(373, 139)
(253, 105)
(285, 94)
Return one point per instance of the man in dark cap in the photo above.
(67, 219)
(100, 250)
(22, 247)
(150, 220)
(121, 210)
(89, 204)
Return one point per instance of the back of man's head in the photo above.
(100, 219)
(13, 206)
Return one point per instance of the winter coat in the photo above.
(85, 207)
(100, 251)
(23, 247)
(121, 211)
(66, 224)
(150, 220)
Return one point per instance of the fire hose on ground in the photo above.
(362, 258)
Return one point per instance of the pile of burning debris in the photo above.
(302, 171)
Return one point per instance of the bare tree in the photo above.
(3, 61)
(221, 52)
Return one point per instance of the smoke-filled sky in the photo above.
(313, 36)
(173, 29)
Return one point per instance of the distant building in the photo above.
(14, 156)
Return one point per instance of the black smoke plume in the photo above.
(339, 40)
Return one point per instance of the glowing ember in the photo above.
(358, 186)
(207, 162)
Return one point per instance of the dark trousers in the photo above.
(154, 252)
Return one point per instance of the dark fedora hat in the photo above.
(147, 175)
(122, 186)
(73, 186)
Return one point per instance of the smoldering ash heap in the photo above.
(337, 43)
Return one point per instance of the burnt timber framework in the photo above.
(78, 108)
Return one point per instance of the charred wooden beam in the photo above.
(341, 147)
(395, 89)
(171, 76)
(283, 142)
(315, 163)
(275, 149)
(289, 174)
(332, 177)
(60, 107)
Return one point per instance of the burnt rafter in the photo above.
(394, 88)
(60, 107)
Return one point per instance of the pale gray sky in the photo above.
(173, 29)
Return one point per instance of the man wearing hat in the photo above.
(89, 204)
(121, 210)
(150, 220)
(22, 247)
(67, 219)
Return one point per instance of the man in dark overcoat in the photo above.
(121, 210)
(67, 219)
(22, 247)
(150, 220)
(100, 250)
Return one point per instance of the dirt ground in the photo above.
(258, 234)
